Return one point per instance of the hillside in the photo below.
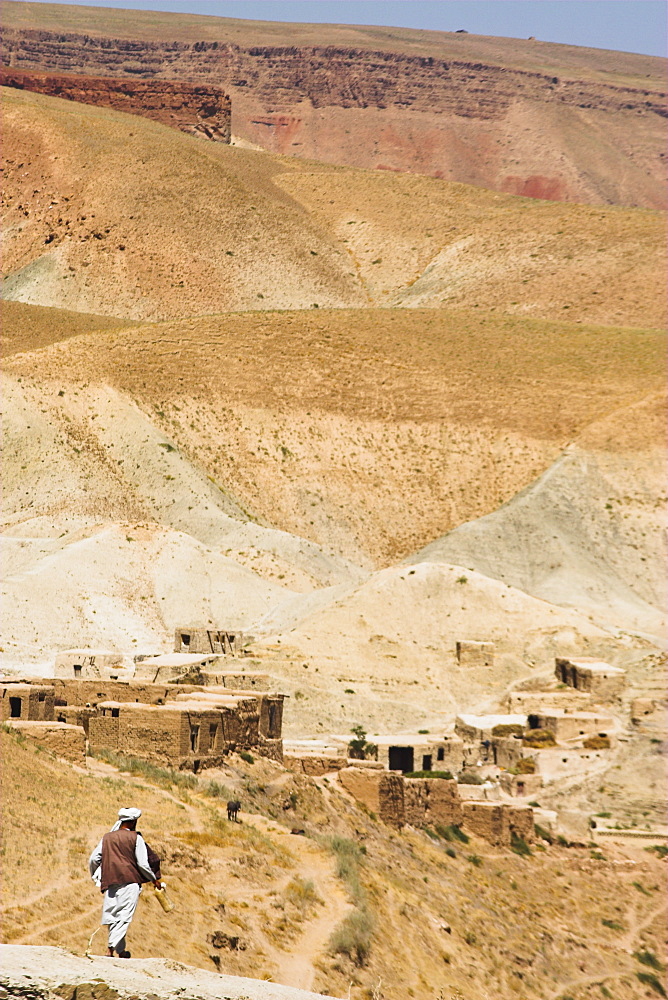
(206, 228)
(524, 116)
(281, 896)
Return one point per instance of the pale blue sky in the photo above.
(628, 25)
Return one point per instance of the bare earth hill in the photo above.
(362, 414)
(524, 116)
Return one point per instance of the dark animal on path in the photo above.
(233, 808)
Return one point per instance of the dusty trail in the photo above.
(297, 967)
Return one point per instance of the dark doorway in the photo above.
(401, 759)
(426, 762)
(440, 755)
(533, 722)
(194, 738)
(272, 721)
(15, 708)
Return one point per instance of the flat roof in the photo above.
(91, 652)
(177, 659)
(489, 721)
(596, 666)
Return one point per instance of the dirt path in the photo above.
(630, 938)
(297, 967)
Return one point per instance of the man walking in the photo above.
(119, 865)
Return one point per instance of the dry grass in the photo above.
(558, 897)
(206, 228)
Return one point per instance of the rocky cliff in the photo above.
(562, 136)
(200, 109)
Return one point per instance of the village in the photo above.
(190, 709)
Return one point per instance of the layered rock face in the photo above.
(200, 109)
(526, 132)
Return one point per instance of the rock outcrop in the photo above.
(200, 109)
(35, 972)
(525, 127)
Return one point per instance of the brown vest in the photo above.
(119, 865)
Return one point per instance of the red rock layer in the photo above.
(198, 108)
(526, 132)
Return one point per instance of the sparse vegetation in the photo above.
(470, 778)
(359, 747)
(519, 845)
(429, 774)
(539, 738)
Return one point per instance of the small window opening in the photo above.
(185, 639)
(533, 722)
(426, 762)
(115, 713)
(41, 695)
(61, 718)
(15, 708)
(440, 754)
(213, 729)
(194, 738)
(77, 670)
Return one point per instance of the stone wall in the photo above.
(380, 792)
(603, 681)
(521, 784)
(568, 726)
(475, 654)
(201, 109)
(59, 738)
(27, 701)
(313, 764)
(431, 802)
(496, 822)
(524, 702)
(91, 664)
(227, 641)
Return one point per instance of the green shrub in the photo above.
(470, 778)
(612, 924)
(641, 888)
(358, 747)
(650, 979)
(452, 833)
(543, 834)
(164, 777)
(475, 859)
(353, 936)
(248, 757)
(519, 845)
(429, 774)
(660, 849)
(648, 958)
(451, 852)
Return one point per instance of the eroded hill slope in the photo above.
(548, 121)
(205, 228)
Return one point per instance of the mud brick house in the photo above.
(595, 677)
(59, 738)
(418, 752)
(476, 728)
(521, 784)
(224, 642)
(474, 654)
(27, 702)
(191, 734)
(432, 802)
(91, 664)
(571, 725)
(380, 792)
(171, 667)
(497, 822)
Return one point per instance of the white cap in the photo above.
(126, 816)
